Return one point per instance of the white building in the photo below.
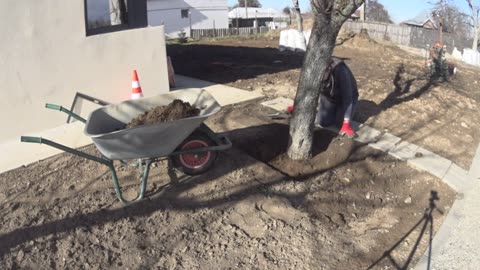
(253, 17)
(178, 15)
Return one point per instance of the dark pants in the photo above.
(331, 114)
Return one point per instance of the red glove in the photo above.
(290, 108)
(347, 130)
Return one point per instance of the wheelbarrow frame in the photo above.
(221, 143)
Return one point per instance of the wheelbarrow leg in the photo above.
(143, 184)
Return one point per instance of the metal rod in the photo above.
(105, 161)
(143, 184)
(62, 109)
(88, 98)
(67, 149)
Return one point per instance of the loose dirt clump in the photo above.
(173, 111)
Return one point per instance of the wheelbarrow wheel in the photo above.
(195, 163)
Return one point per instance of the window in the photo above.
(184, 13)
(104, 16)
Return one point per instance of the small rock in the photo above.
(20, 255)
(408, 200)
(171, 262)
(347, 180)
(463, 124)
(368, 196)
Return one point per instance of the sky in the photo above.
(400, 10)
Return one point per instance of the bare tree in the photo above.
(376, 12)
(118, 12)
(453, 20)
(329, 16)
(475, 9)
(298, 15)
(248, 3)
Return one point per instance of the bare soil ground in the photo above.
(395, 94)
(350, 207)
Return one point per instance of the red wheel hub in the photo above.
(195, 160)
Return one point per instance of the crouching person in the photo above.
(338, 99)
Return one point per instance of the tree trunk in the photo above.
(475, 38)
(316, 61)
(298, 15)
(476, 27)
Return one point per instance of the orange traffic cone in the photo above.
(136, 89)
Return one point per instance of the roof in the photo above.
(356, 14)
(239, 12)
(421, 19)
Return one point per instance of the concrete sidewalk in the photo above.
(457, 244)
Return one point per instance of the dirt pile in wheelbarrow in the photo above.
(176, 110)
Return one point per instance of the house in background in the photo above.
(258, 17)
(422, 20)
(184, 15)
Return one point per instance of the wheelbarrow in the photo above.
(190, 144)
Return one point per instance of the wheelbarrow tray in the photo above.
(106, 125)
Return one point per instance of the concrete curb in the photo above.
(455, 246)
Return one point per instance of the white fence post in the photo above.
(223, 32)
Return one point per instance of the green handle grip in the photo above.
(30, 139)
(62, 109)
(53, 107)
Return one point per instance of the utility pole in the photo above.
(190, 21)
(363, 11)
(246, 9)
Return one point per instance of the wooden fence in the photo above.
(408, 36)
(224, 32)
(382, 31)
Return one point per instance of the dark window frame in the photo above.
(136, 14)
(184, 13)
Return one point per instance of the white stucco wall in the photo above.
(206, 14)
(45, 56)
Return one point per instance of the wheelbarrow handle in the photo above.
(53, 106)
(30, 139)
(105, 161)
(62, 109)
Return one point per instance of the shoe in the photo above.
(347, 130)
(317, 126)
(332, 128)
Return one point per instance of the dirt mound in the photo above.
(176, 110)
(359, 41)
